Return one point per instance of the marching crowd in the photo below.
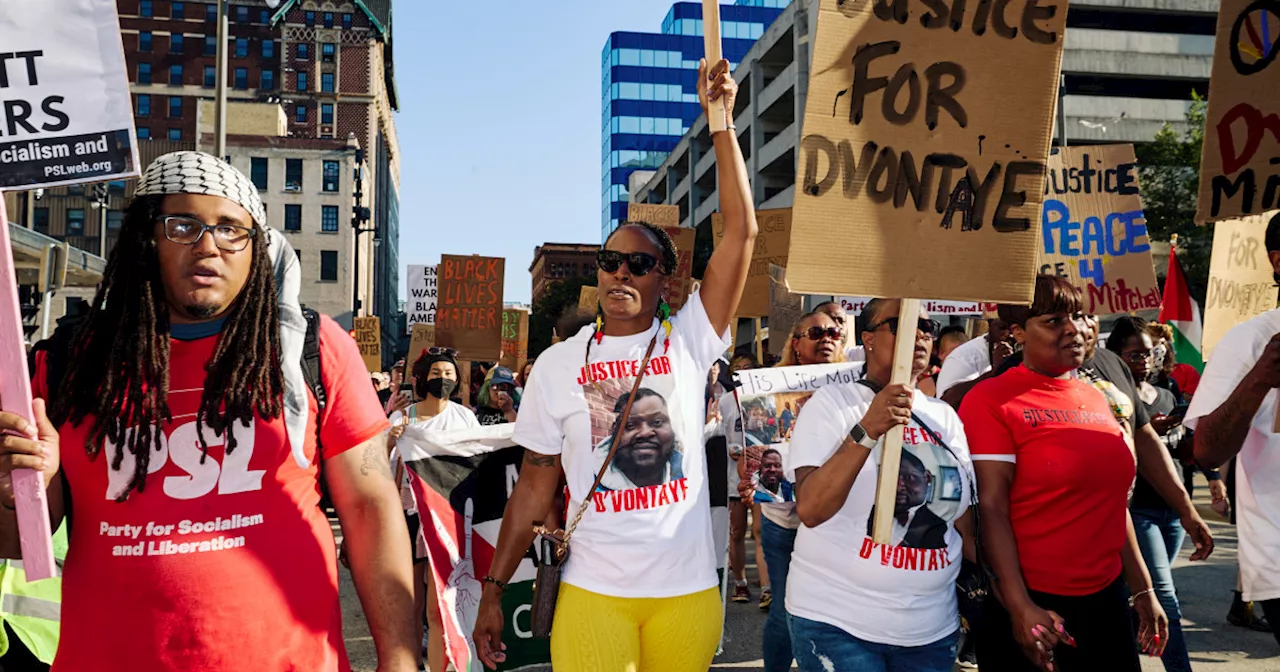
(1041, 498)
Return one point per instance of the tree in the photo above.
(1170, 177)
(560, 297)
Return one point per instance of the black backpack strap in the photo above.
(311, 357)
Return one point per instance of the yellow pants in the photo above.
(599, 633)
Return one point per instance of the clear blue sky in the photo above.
(499, 125)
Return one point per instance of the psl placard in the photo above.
(772, 242)
(1241, 285)
(369, 338)
(1093, 231)
(469, 307)
(1241, 130)
(926, 133)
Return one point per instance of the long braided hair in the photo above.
(120, 375)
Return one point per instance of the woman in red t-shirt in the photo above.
(1054, 471)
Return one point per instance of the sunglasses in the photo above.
(435, 351)
(927, 326)
(640, 263)
(818, 333)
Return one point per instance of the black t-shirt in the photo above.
(1108, 366)
(1144, 495)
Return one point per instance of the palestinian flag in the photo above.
(1181, 312)
(461, 480)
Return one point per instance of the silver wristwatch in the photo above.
(859, 436)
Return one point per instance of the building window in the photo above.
(242, 78)
(331, 172)
(175, 75)
(210, 45)
(211, 11)
(41, 220)
(327, 52)
(268, 48)
(328, 19)
(144, 73)
(302, 81)
(144, 41)
(175, 107)
(346, 21)
(326, 113)
(242, 14)
(242, 47)
(309, 18)
(179, 10)
(293, 174)
(75, 221)
(175, 134)
(144, 133)
(176, 44)
(144, 8)
(264, 17)
(144, 105)
(268, 80)
(328, 266)
(329, 218)
(115, 218)
(258, 171)
(304, 51)
(210, 76)
(292, 217)
(300, 113)
(326, 82)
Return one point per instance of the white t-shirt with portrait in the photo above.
(902, 594)
(647, 532)
(454, 416)
(968, 361)
(1258, 463)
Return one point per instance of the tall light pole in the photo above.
(220, 106)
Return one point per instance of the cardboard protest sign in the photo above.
(515, 338)
(67, 108)
(421, 307)
(461, 480)
(926, 135)
(369, 338)
(1240, 282)
(1093, 231)
(1241, 130)
(665, 216)
(668, 217)
(772, 244)
(588, 299)
(423, 337)
(853, 305)
(785, 309)
(469, 307)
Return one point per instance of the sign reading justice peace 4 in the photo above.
(926, 136)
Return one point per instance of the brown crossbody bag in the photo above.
(555, 543)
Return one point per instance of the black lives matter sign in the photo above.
(926, 133)
(65, 111)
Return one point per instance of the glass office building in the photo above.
(649, 90)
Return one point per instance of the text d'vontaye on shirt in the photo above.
(647, 532)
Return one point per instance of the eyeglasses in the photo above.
(818, 333)
(1138, 356)
(188, 231)
(640, 263)
(929, 327)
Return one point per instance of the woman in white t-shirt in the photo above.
(435, 375)
(853, 603)
(639, 590)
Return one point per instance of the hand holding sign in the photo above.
(717, 89)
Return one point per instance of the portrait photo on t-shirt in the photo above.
(649, 452)
(928, 496)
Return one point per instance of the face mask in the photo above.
(440, 388)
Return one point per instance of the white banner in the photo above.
(421, 306)
(854, 305)
(67, 116)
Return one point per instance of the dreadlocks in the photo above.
(121, 354)
(662, 238)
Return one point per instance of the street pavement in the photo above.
(1204, 588)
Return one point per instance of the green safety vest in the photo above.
(33, 610)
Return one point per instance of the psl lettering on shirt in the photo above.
(225, 561)
(654, 495)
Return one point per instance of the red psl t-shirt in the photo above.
(1074, 470)
(227, 565)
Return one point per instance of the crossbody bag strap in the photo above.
(613, 447)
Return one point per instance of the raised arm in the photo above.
(727, 271)
(1221, 433)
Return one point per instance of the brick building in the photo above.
(559, 261)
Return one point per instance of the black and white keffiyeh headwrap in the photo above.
(190, 172)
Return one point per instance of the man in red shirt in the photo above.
(186, 452)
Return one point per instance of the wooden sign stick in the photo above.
(29, 494)
(891, 455)
(717, 116)
(759, 341)
(464, 381)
